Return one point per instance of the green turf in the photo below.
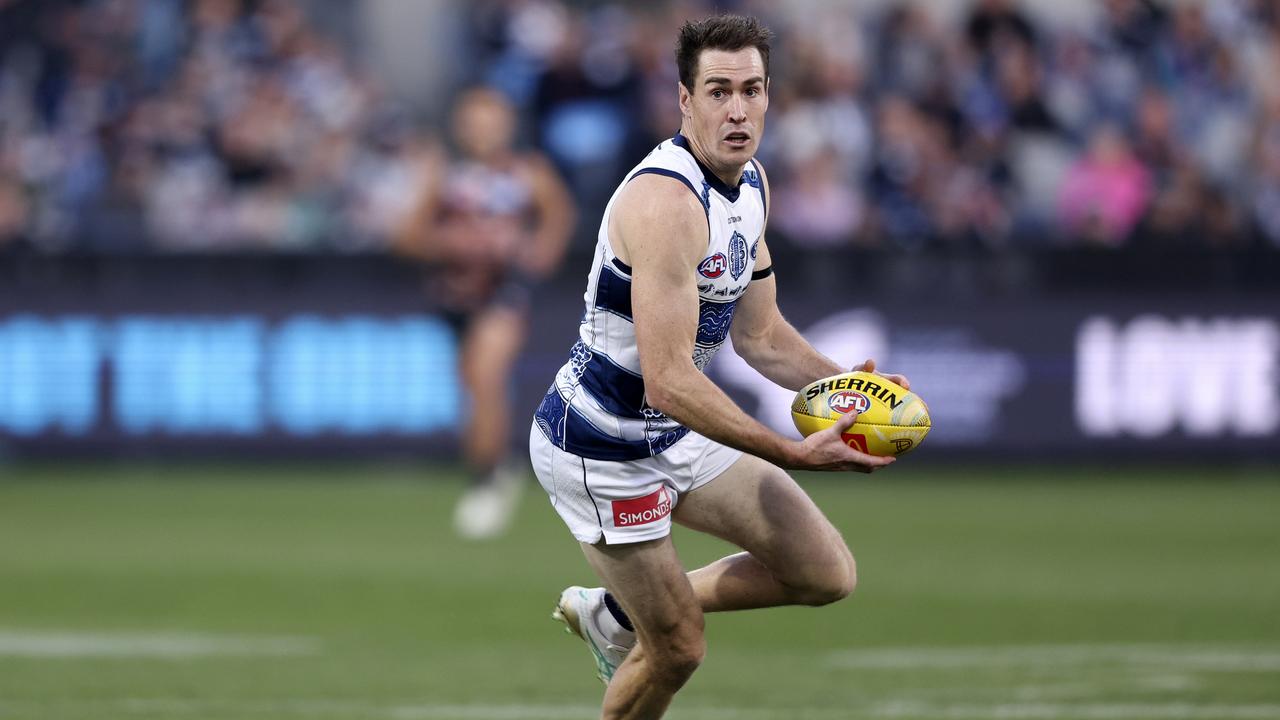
(341, 594)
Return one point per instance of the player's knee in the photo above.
(835, 583)
(682, 660)
(834, 588)
(849, 578)
(679, 651)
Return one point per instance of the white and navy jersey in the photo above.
(473, 189)
(596, 408)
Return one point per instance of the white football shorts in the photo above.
(625, 501)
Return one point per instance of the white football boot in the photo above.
(485, 511)
(584, 614)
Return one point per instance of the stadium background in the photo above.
(228, 410)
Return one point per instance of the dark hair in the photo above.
(719, 32)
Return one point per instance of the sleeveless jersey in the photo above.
(476, 190)
(596, 407)
(494, 204)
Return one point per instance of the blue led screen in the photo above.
(239, 375)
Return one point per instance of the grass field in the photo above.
(291, 592)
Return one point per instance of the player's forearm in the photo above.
(691, 399)
(783, 356)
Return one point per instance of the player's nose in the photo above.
(737, 109)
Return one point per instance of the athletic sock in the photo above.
(617, 612)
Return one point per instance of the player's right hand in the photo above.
(827, 450)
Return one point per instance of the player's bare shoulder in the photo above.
(654, 213)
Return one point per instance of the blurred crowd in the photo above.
(239, 124)
(128, 125)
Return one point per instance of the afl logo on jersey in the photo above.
(847, 401)
(713, 267)
(737, 255)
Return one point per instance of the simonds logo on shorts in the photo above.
(643, 510)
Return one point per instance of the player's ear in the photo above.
(686, 99)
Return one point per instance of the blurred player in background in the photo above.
(492, 221)
(632, 434)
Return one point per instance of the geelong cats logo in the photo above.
(737, 255)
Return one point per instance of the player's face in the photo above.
(483, 124)
(724, 110)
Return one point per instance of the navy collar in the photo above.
(729, 193)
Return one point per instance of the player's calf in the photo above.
(659, 665)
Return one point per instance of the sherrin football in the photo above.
(891, 420)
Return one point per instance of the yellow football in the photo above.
(891, 420)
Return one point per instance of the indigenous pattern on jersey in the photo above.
(596, 407)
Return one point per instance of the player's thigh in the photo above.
(648, 579)
(760, 508)
(490, 345)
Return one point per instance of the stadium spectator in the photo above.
(909, 165)
(819, 208)
(1107, 191)
(244, 126)
(1265, 195)
(996, 24)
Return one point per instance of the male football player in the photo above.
(632, 434)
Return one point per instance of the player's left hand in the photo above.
(870, 366)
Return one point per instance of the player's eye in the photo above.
(717, 94)
(752, 92)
